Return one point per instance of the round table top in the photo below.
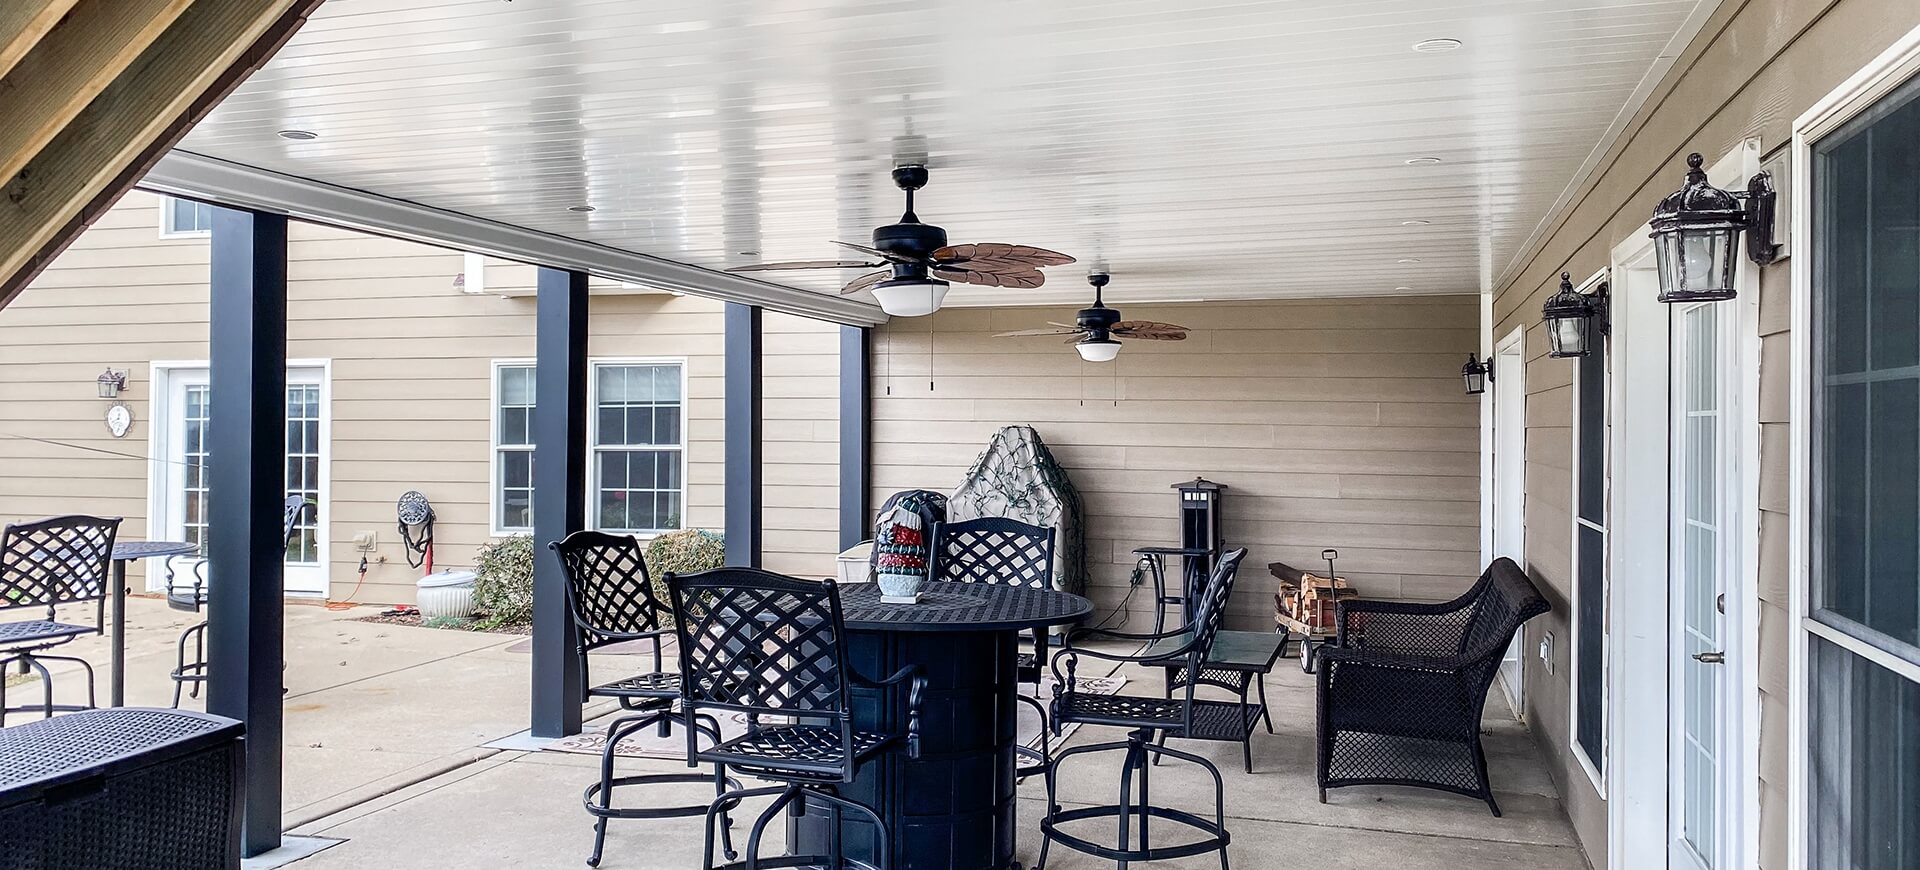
(125, 550)
(961, 607)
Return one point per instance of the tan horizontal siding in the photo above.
(411, 380)
(1336, 424)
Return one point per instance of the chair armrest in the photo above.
(1397, 660)
(916, 689)
(1100, 633)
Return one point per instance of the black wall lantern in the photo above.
(1575, 320)
(1694, 230)
(1477, 374)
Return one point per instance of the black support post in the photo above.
(743, 462)
(246, 634)
(856, 441)
(559, 492)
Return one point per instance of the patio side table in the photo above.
(121, 788)
(1238, 662)
(124, 552)
(954, 806)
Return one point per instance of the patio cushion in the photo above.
(34, 630)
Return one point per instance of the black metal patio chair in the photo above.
(1005, 552)
(774, 648)
(1146, 716)
(192, 598)
(43, 565)
(612, 599)
(1402, 690)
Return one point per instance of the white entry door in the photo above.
(1510, 484)
(1703, 552)
(182, 410)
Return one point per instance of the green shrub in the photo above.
(503, 588)
(684, 552)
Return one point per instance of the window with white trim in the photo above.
(1863, 666)
(512, 447)
(184, 218)
(1590, 557)
(638, 437)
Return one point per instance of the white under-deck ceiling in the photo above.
(1198, 150)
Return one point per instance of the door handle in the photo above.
(1710, 658)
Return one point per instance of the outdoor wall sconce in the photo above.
(1574, 319)
(1694, 229)
(111, 383)
(1477, 374)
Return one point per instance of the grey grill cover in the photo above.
(1017, 478)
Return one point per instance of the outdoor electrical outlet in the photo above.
(1546, 651)
(365, 541)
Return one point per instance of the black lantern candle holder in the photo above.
(1694, 230)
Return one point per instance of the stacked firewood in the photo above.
(1308, 600)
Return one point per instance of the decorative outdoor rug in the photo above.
(649, 744)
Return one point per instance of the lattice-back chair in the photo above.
(192, 671)
(773, 649)
(45, 564)
(612, 599)
(1178, 716)
(1003, 552)
(1401, 693)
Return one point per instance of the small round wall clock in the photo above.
(119, 419)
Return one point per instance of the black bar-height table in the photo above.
(124, 552)
(954, 806)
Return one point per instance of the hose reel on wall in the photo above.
(416, 528)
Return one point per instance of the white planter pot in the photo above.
(447, 594)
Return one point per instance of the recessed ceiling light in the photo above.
(749, 253)
(1402, 289)
(298, 135)
(1415, 223)
(1408, 260)
(583, 209)
(1422, 161)
(1432, 46)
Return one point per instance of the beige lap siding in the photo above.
(1337, 423)
(1756, 66)
(411, 362)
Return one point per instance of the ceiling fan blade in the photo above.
(1147, 330)
(864, 282)
(1062, 325)
(999, 256)
(1071, 330)
(1023, 280)
(892, 258)
(805, 264)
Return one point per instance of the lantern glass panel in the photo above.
(1696, 264)
(1567, 336)
(1476, 382)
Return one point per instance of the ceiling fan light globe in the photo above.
(1098, 350)
(910, 297)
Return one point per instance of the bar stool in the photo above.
(612, 600)
(1005, 552)
(1145, 716)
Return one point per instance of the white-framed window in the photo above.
(637, 436)
(1588, 681)
(1856, 654)
(512, 479)
(185, 218)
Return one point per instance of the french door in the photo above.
(183, 409)
(1702, 553)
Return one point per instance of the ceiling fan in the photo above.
(1099, 330)
(918, 263)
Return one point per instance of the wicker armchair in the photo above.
(1400, 695)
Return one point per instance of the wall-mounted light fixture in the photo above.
(1575, 320)
(1694, 230)
(111, 383)
(1477, 374)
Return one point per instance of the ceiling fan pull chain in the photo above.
(929, 336)
(886, 351)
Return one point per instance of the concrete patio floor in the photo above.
(387, 726)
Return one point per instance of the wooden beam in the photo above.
(207, 52)
(23, 23)
(71, 66)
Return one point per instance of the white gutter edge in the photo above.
(197, 176)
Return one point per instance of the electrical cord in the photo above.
(349, 603)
